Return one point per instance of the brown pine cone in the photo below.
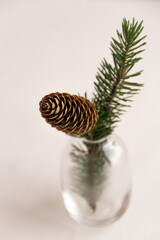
(71, 114)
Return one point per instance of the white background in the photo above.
(49, 46)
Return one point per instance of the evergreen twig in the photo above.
(113, 91)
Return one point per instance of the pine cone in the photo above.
(69, 113)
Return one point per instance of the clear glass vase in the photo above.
(96, 180)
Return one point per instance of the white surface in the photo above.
(49, 46)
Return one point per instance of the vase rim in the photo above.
(97, 141)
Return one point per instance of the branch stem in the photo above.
(91, 180)
(120, 75)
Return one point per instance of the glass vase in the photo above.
(96, 180)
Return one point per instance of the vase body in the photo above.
(96, 180)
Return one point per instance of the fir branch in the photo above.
(113, 92)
